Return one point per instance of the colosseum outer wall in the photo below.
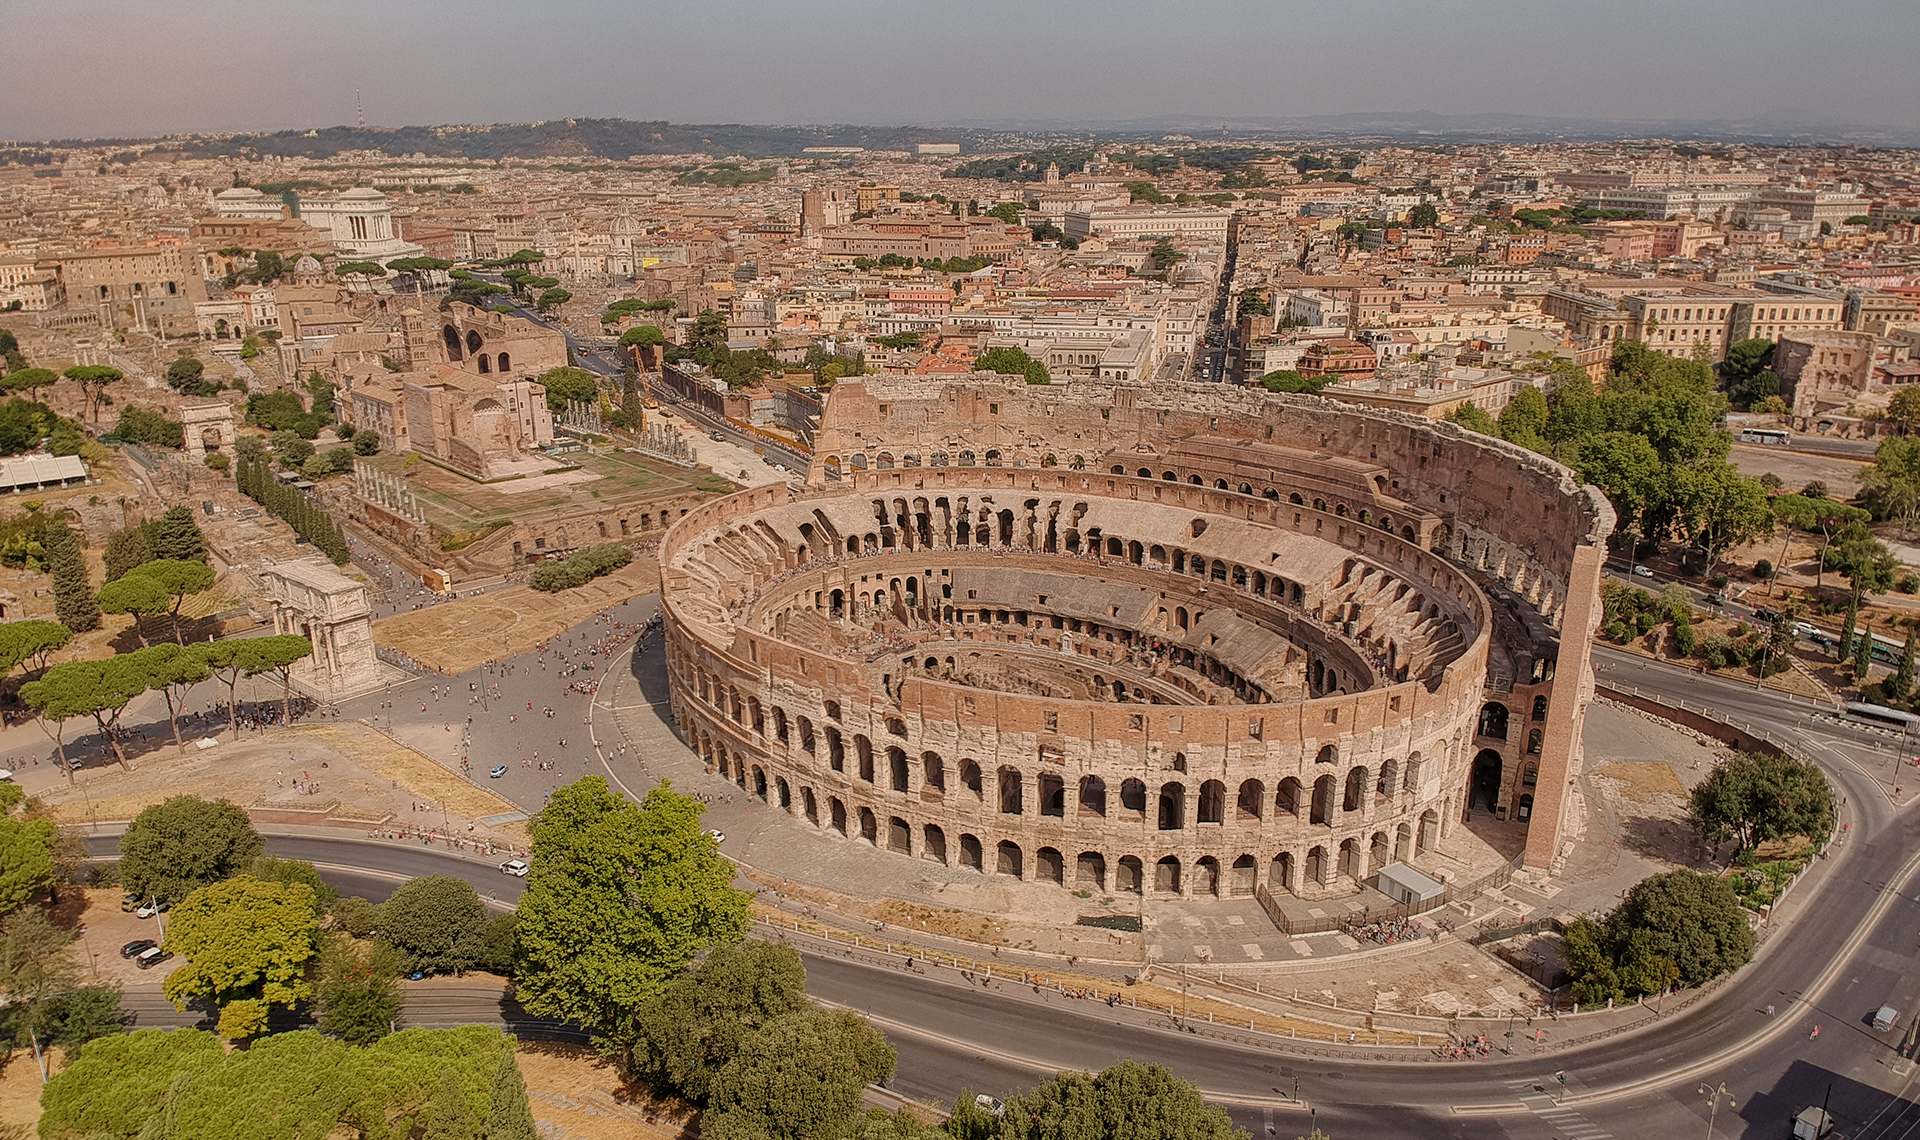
(1000, 780)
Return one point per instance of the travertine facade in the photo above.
(1192, 638)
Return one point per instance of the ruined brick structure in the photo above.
(1188, 639)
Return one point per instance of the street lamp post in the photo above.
(1713, 1096)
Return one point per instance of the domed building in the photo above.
(1190, 640)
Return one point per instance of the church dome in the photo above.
(307, 266)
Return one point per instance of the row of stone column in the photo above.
(388, 491)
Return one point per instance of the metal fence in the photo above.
(1450, 893)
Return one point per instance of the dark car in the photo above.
(137, 946)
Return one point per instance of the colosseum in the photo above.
(1188, 640)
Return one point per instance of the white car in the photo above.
(1642, 572)
(718, 835)
(514, 867)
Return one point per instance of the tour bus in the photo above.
(1880, 716)
(1765, 435)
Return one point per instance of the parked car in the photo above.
(148, 910)
(1715, 599)
(1642, 572)
(129, 903)
(717, 437)
(497, 771)
(137, 946)
(515, 867)
(718, 835)
(992, 1104)
(151, 957)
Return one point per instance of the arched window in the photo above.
(484, 363)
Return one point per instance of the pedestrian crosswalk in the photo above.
(1567, 1123)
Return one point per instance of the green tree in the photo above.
(800, 1078)
(643, 336)
(73, 600)
(1424, 216)
(437, 924)
(359, 269)
(448, 1115)
(117, 1085)
(1012, 362)
(126, 548)
(620, 899)
(1287, 380)
(1628, 472)
(1904, 408)
(136, 595)
(184, 843)
(176, 580)
(93, 380)
(1524, 419)
(1900, 685)
(276, 869)
(277, 655)
(564, 384)
(1863, 655)
(1863, 560)
(509, 1115)
(1720, 509)
(178, 537)
(34, 965)
(29, 379)
(30, 642)
(1890, 485)
(100, 689)
(366, 442)
(688, 1034)
(183, 374)
(243, 940)
(1755, 798)
(1471, 416)
(26, 859)
(358, 990)
(1129, 1100)
(552, 297)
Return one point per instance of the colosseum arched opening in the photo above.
(1234, 643)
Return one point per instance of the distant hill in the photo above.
(558, 138)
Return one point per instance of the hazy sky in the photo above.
(121, 67)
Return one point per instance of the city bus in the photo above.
(1880, 716)
(1765, 435)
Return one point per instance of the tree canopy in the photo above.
(620, 898)
(564, 384)
(800, 1078)
(1755, 797)
(688, 1034)
(243, 939)
(184, 843)
(1129, 1101)
(1680, 927)
(1008, 361)
(437, 923)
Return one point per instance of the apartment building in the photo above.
(1208, 224)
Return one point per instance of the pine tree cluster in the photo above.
(315, 525)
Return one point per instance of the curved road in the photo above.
(1850, 938)
(1847, 950)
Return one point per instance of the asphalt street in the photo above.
(1846, 949)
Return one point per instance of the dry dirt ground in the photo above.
(460, 635)
(368, 778)
(1798, 468)
(578, 1096)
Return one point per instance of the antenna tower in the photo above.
(359, 109)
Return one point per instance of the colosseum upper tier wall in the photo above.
(1183, 640)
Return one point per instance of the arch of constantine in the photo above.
(1191, 640)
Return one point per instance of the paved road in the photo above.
(1847, 950)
